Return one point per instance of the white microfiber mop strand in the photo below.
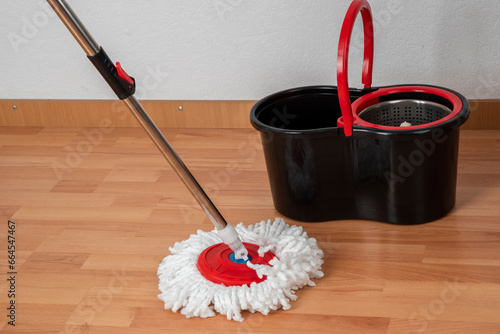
(298, 260)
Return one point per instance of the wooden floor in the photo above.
(96, 210)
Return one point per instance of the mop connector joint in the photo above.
(230, 237)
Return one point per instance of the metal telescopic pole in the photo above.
(92, 49)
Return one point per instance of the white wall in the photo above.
(237, 49)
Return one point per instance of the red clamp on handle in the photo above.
(363, 7)
(120, 82)
(122, 74)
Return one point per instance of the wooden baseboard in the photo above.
(485, 114)
(90, 113)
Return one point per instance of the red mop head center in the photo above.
(216, 265)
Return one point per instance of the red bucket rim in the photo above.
(374, 97)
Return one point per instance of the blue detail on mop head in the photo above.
(242, 261)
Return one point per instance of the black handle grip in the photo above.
(122, 87)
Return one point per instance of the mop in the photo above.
(200, 278)
(254, 269)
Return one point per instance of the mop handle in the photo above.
(124, 87)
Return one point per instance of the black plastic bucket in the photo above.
(317, 174)
(387, 154)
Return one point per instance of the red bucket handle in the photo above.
(363, 7)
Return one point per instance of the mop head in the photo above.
(295, 259)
